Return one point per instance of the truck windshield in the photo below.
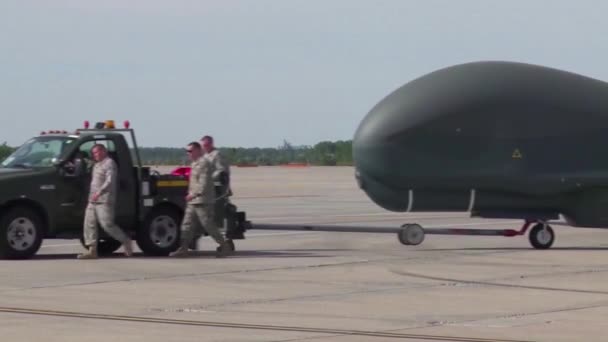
(38, 152)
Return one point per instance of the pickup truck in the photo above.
(44, 189)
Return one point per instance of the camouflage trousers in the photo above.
(101, 214)
(199, 216)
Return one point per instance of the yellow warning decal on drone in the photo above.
(516, 154)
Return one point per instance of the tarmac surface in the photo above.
(318, 286)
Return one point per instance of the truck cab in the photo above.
(45, 186)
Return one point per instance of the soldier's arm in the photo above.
(110, 173)
(206, 179)
(221, 169)
(197, 188)
(221, 163)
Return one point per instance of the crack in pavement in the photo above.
(515, 315)
(491, 283)
(447, 282)
(460, 322)
(191, 275)
(417, 258)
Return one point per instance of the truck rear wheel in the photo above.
(21, 233)
(159, 234)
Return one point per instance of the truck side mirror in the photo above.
(73, 169)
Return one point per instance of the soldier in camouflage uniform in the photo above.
(102, 199)
(221, 174)
(221, 179)
(200, 204)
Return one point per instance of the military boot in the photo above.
(194, 244)
(128, 246)
(182, 251)
(90, 254)
(223, 250)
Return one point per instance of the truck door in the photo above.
(75, 191)
(126, 199)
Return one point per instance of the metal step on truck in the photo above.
(44, 190)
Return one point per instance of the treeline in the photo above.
(5, 151)
(326, 153)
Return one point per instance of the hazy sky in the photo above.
(301, 70)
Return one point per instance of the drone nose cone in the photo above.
(394, 147)
(407, 134)
(461, 128)
(378, 143)
(378, 154)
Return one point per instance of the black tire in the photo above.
(230, 245)
(21, 233)
(105, 246)
(411, 234)
(159, 234)
(541, 239)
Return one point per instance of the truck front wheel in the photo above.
(159, 234)
(21, 233)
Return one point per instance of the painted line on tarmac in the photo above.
(248, 326)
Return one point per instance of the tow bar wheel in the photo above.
(411, 234)
(542, 236)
